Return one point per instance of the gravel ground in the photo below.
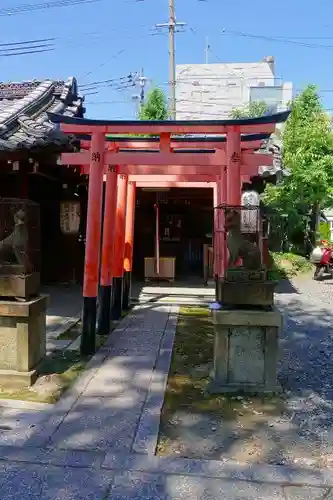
(299, 431)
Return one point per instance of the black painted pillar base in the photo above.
(88, 335)
(117, 298)
(105, 294)
(127, 290)
(217, 288)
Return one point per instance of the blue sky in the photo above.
(110, 39)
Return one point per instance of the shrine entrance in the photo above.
(185, 230)
(221, 154)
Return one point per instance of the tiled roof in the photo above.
(24, 122)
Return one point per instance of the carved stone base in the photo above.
(255, 293)
(245, 351)
(22, 341)
(240, 274)
(21, 286)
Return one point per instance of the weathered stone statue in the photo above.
(17, 242)
(239, 247)
(22, 308)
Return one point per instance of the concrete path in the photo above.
(123, 382)
(98, 442)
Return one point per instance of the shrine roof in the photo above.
(24, 107)
(260, 124)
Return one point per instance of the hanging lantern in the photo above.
(250, 217)
(70, 215)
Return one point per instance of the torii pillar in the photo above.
(129, 241)
(234, 181)
(93, 238)
(108, 250)
(118, 268)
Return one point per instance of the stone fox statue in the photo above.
(238, 246)
(17, 241)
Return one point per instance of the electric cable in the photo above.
(275, 39)
(30, 7)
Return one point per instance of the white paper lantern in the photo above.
(250, 217)
(70, 215)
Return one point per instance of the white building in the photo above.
(212, 91)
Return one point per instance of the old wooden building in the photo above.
(30, 146)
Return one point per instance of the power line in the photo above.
(86, 35)
(117, 54)
(25, 53)
(10, 50)
(30, 7)
(108, 82)
(27, 42)
(26, 47)
(52, 4)
(275, 39)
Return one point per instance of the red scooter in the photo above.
(322, 258)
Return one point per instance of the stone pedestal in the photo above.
(23, 286)
(246, 293)
(22, 340)
(245, 351)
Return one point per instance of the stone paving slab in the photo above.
(296, 481)
(26, 405)
(53, 483)
(75, 346)
(53, 456)
(135, 485)
(58, 412)
(56, 345)
(225, 470)
(18, 424)
(100, 423)
(148, 428)
(47, 482)
(301, 493)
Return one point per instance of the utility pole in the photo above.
(142, 82)
(140, 97)
(207, 51)
(172, 25)
(172, 59)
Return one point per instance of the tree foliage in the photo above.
(308, 155)
(252, 110)
(155, 107)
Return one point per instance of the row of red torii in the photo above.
(219, 154)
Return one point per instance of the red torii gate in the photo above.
(221, 163)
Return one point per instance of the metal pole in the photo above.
(207, 47)
(172, 25)
(172, 63)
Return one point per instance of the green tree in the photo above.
(308, 154)
(155, 107)
(252, 110)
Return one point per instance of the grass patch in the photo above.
(190, 374)
(56, 373)
(287, 265)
